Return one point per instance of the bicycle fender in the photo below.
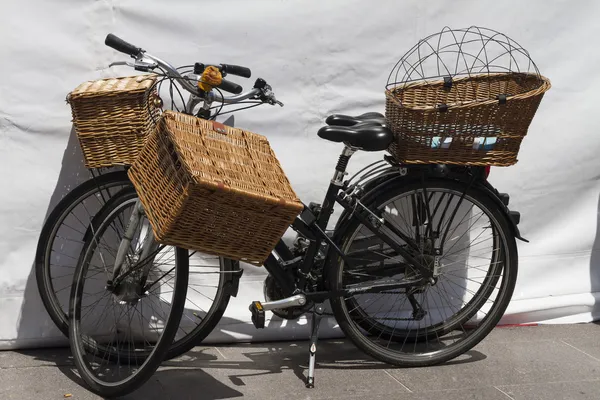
(513, 217)
(485, 187)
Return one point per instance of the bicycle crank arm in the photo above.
(258, 309)
(292, 301)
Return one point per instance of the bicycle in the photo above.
(67, 230)
(69, 227)
(391, 239)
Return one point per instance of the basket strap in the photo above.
(447, 83)
(219, 127)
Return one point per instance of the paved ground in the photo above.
(548, 362)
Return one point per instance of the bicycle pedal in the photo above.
(258, 314)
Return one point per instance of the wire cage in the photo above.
(462, 96)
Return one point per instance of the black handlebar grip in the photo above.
(230, 87)
(236, 70)
(121, 45)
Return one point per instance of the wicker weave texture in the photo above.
(465, 124)
(113, 117)
(212, 188)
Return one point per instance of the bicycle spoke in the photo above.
(471, 266)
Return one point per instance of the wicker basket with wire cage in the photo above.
(462, 96)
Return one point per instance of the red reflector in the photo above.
(487, 171)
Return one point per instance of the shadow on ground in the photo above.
(211, 374)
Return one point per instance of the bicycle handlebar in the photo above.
(236, 70)
(120, 45)
(215, 96)
(141, 56)
(230, 87)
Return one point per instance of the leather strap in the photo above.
(219, 127)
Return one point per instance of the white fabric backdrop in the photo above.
(321, 57)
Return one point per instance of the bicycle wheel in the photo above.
(477, 271)
(212, 281)
(62, 238)
(121, 326)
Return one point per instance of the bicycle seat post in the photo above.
(316, 321)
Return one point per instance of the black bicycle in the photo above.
(420, 267)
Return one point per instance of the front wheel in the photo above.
(70, 228)
(474, 277)
(121, 327)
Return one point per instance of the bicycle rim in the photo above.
(458, 314)
(122, 326)
(62, 239)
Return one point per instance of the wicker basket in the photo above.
(475, 120)
(113, 118)
(213, 188)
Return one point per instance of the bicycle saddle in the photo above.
(347, 120)
(368, 135)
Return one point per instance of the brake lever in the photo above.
(137, 65)
(129, 64)
(272, 100)
(267, 93)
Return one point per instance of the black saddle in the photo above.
(347, 120)
(368, 135)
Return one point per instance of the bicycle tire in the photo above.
(351, 328)
(48, 236)
(219, 304)
(82, 344)
(227, 285)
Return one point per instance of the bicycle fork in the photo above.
(148, 246)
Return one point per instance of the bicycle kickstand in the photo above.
(316, 321)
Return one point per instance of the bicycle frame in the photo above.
(312, 227)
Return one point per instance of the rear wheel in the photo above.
(69, 228)
(122, 327)
(475, 277)
(62, 239)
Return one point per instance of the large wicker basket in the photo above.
(473, 120)
(113, 117)
(213, 188)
